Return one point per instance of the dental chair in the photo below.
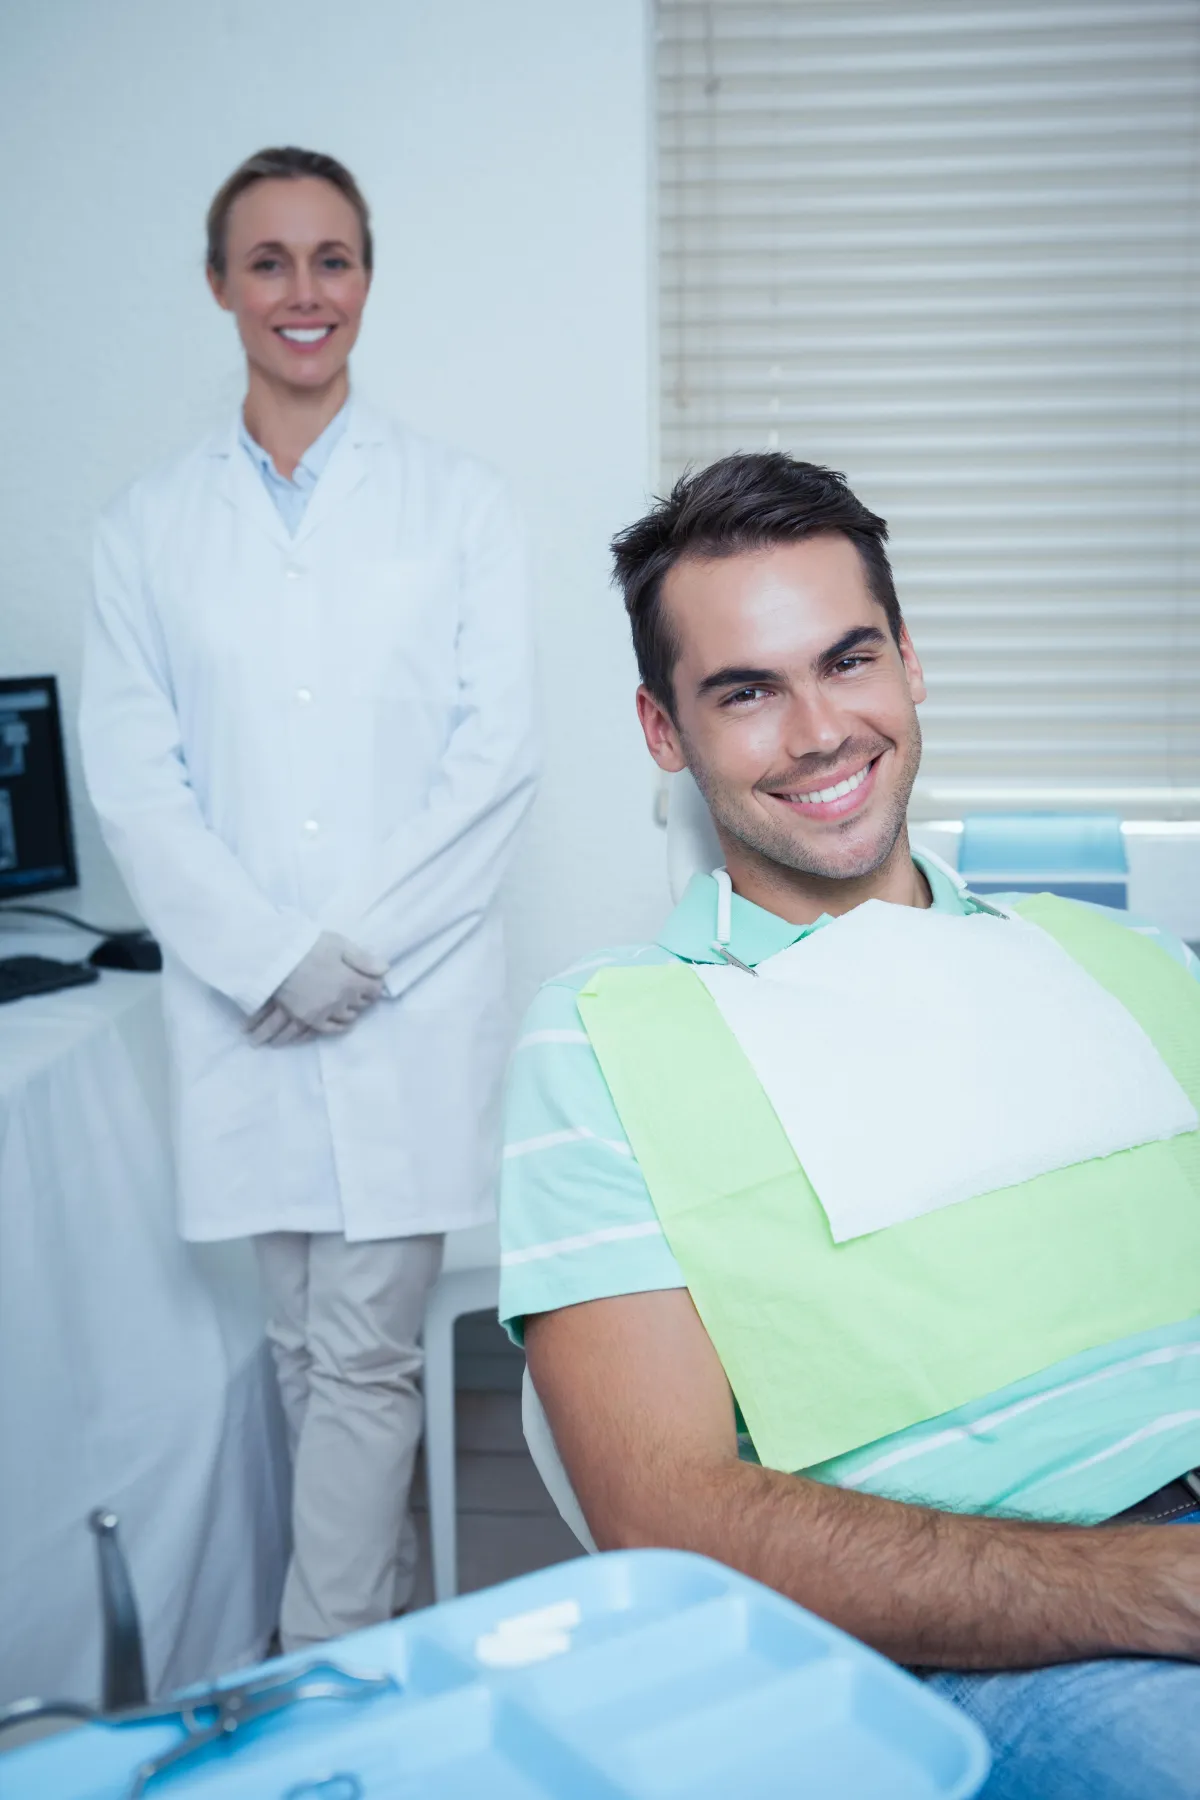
(548, 1464)
(692, 848)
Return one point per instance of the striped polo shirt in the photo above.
(1078, 1441)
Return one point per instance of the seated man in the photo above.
(857, 1245)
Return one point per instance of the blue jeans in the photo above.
(1119, 1730)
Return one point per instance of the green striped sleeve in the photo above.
(576, 1219)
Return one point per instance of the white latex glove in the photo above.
(272, 1024)
(325, 993)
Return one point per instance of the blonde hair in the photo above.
(285, 164)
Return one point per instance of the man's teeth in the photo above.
(296, 335)
(824, 795)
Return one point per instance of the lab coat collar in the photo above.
(346, 469)
(758, 934)
(364, 425)
(240, 483)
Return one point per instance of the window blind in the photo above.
(953, 249)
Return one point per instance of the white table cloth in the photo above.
(133, 1368)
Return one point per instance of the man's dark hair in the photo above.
(744, 502)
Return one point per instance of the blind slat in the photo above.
(953, 248)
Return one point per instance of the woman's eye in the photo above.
(335, 262)
(266, 265)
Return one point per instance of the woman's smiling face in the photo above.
(294, 279)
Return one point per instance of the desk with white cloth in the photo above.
(133, 1368)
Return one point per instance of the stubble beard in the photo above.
(775, 845)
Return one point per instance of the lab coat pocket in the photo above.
(453, 1056)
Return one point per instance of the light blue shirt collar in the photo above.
(291, 494)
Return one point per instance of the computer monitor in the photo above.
(37, 849)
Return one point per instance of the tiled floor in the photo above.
(507, 1524)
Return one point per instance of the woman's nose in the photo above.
(303, 289)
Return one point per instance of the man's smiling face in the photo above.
(794, 707)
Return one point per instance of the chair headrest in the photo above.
(693, 847)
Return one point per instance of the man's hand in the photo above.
(642, 1417)
(324, 994)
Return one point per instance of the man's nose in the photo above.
(814, 724)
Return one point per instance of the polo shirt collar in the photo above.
(757, 934)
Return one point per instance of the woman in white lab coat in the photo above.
(307, 732)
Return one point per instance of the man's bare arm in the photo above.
(642, 1416)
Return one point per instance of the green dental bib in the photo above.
(828, 1347)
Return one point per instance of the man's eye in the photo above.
(744, 696)
(851, 662)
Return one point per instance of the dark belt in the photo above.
(1170, 1502)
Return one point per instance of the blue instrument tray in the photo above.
(639, 1675)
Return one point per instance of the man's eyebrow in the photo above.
(738, 678)
(850, 640)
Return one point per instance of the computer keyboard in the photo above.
(21, 976)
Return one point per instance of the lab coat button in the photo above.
(311, 827)
(304, 695)
(293, 574)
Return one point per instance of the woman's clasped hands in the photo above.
(326, 993)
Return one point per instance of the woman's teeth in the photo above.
(824, 795)
(296, 335)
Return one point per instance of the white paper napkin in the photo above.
(916, 1059)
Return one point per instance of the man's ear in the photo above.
(658, 728)
(912, 667)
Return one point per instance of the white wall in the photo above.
(504, 149)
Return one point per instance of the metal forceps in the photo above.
(219, 1713)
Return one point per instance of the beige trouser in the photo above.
(345, 1325)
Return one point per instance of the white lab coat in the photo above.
(333, 731)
